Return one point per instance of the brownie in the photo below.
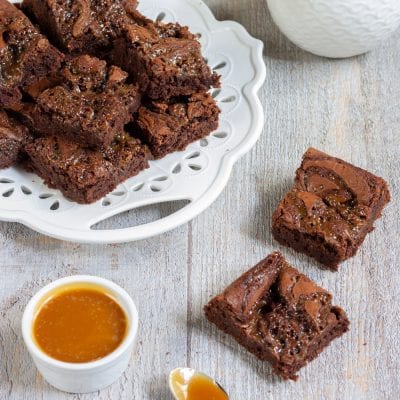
(279, 315)
(79, 27)
(13, 137)
(87, 102)
(170, 126)
(85, 175)
(330, 209)
(25, 55)
(164, 59)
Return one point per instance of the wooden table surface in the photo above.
(349, 108)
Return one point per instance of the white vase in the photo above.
(336, 28)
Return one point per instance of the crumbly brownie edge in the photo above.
(10, 152)
(311, 245)
(181, 140)
(9, 96)
(89, 195)
(13, 137)
(219, 314)
(164, 87)
(289, 371)
(56, 179)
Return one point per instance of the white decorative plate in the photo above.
(197, 175)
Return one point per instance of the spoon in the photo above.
(189, 384)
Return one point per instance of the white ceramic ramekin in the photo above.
(83, 377)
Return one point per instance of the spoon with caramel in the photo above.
(189, 384)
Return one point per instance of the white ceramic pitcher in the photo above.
(336, 28)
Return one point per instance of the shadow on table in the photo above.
(258, 226)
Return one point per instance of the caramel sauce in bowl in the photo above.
(79, 323)
(80, 332)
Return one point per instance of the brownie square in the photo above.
(13, 137)
(78, 27)
(165, 60)
(330, 209)
(171, 126)
(279, 315)
(90, 104)
(85, 175)
(25, 54)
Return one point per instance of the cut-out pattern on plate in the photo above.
(221, 64)
(156, 184)
(227, 98)
(203, 37)
(193, 163)
(197, 174)
(159, 14)
(219, 137)
(115, 198)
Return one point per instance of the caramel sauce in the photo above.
(79, 323)
(196, 387)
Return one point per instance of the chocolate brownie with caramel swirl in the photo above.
(330, 209)
(85, 175)
(279, 315)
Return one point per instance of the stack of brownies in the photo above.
(90, 90)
